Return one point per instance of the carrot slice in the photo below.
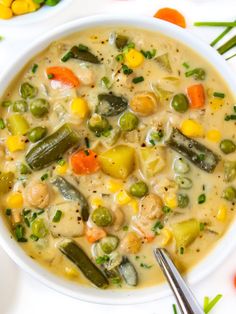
(196, 96)
(94, 234)
(84, 162)
(63, 75)
(171, 15)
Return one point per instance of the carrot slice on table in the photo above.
(94, 234)
(63, 75)
(171, 15)
(196, 96)
(84, 162)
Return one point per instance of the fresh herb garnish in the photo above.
(185, 65)
(230, 117)
(44, 177)
(181, 250)
(61, 162)
(218, 38)
(35, 68)
(8, 211)
(230, 24)
(157, 227)
(219, 95)
(138, 79)
(166, 209)
(198, 74)
(34, 237)
(86, 139)
(174, 309)
(126, 70)
(119, 58)
(57, 216)
(146, 266)
(227, 46)
(106, 82)
(149, 54)
(102, 259)
(234, 55)
(86, 152)
(128, 47)
(208, 305)
(19, 233)
(50, 76)
(201, 226)
(201, 198)
(2, 124)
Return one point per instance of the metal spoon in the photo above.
(184, 296)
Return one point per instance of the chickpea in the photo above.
(38, 195)
(131, 243)
(151, 207)
(144, 103)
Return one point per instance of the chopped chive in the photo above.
(181, 250)
(219, 95)
(201, 226)
(157, 227)
(33, 217)
(2, 124)
(166, 209)
(218, 38)
(151, 141)
(234, 55)
(138, 79)
(227, 46)
(120, 58)
(8, 212)
(230, 117)
(126, 69)
(40, 212)
(186, 65)
(26, 212)
(27, 222)
(57, 216)
(86, 152)
(201, 199)
(67, 56)
(212, 303)
(50, 76)
(61, 162)
(19, 233)
(35, 68)
(205, 302)
(149, 54)
(125, 228)
(83, 47)
(102, 259)
(34, 237)
(174, 309)
(146, 266)
(86, 139)
(106, 82)
(230, 24)
(44, 177)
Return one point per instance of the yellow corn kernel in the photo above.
(15, 200)
(222, 213)
(122, 198)
(79, 107)
(71, 272)
(134, 58)
(216, 103)
(6, 3)
(32, 6)
(96, 202)
(15, 143)
(192, 128)
(167, 236)
(134, 204)
(61, 169)
(5, 12)
(20, 7)
(170, 200)
(213, 136)
(114, 186)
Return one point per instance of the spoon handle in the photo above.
(184, 296)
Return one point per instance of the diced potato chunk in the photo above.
(185, 232)
(151, 160)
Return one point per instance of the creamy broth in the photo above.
(143, 193)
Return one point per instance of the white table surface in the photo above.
(21, 294)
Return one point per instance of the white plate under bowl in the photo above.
(44, 13)
(91, 294)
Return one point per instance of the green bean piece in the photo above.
(38, 228)
(39, 107)
(183, 200)
(111, 105)
(109, 244)
(180, 103)
(139, 189)
(227, 146)
(98, 124)
(102, 216)
(37, 133)
(28, 91)
(20, 106)
(17, 124)
(183, 182)
(229, 193)
(121, 41)
(181, 166)
(128, 121)
(6, 182)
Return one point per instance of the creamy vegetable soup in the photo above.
(115, 141)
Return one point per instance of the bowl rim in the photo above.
(116, 297)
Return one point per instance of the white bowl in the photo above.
(90, 294)
(44, 13)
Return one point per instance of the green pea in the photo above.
(39, 107)
(38, 228)
(52, 3)
(184, 183)
(181, 166)
(37, 134)
(229, 193)
(28, 91)
(20, 106)
(139, 189)
(180, 103)
(99, 125)
(183, 200)
(128, 121)
(102, 216)
(227, 146)
(109, 244)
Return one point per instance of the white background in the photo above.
(20, 294)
